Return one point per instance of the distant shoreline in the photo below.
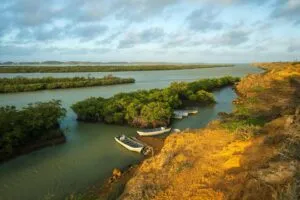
(57, 138)
(101, 68)
(21, 84)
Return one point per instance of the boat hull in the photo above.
(181, 113)
(135, 149)
(141, 133)
(177, 116)
(192, 111)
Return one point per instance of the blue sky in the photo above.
(213, 31)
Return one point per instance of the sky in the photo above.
(189, 31)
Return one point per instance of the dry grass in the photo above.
(213, 165)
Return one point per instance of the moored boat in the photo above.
(130, 143)
(154, 131)
(177, 116)
(176, 130)
(181, 112)
(192, 111)
(185, 113)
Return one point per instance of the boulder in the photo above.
(117, 173)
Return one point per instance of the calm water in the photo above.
(90, 153)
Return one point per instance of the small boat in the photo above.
(154, 131)
(192, 111)
(147, 149)
(130, 143)
(181, 112)
(176, 130)
(177, 116)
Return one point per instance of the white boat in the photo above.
(181, 112)
(192, 111)
(176, 130)
(147, 149)
(129, 143)
(177, 116)
(154, 131)
(185, 113)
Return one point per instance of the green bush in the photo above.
(156, 114)
(244, 127)
(90, 110)
(21, 84)
(60, 69)
(202, 97)
(33, 122)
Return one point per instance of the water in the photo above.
(90, 153)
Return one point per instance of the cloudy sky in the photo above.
(214, 31)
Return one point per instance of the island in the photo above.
(106, 68)
(32, 127)
(149, 108)
(22, 84)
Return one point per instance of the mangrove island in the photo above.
(110, 68)
(21, 84)
(33, 127)
(150, 108)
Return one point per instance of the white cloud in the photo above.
(148, 35)
(292, 4)
(85, 28)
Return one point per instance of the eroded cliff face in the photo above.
(252, 153)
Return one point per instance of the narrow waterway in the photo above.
(90, 153)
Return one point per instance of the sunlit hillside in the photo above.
(252, 153)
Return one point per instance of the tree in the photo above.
(203, 97)
(33, 122)
(156, 113)
(90, 109)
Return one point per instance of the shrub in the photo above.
(203, 97)
(156, 114)
(33, 122)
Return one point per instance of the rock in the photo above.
(297, 112)
(117, 173)
(288, 122)
(278, 172)
(224, 115)
(111, 179)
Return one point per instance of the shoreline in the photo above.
(22, 84)
(64, 69)
(113, 186)
(58, 138)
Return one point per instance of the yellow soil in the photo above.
(207, 165)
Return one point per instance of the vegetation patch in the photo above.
(183, 166)
(61, 69)
(21, 84)
(258, 88)
(244, 126)
(150, 108)
(23, 130)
